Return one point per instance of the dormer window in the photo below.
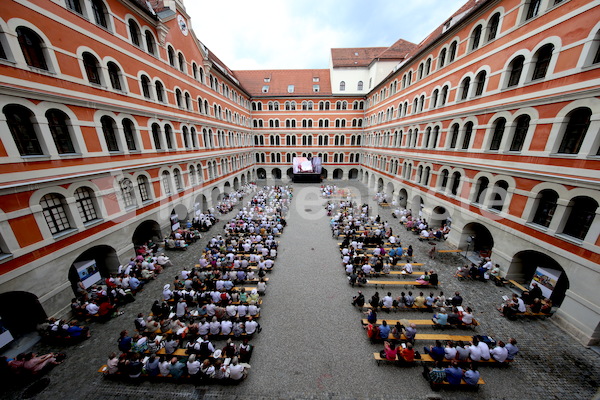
(267, 80)
(290, 88)
(265, 89)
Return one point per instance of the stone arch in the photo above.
(417, 206)
(93, 264)
(261, 174)
(181, 211)
(523, 267)
(290, 173)
(201, 203)
(338, 173)
(276, 173)
(324, 173)
(227, 188)
(439, 217)
(21, 312)
(389, 190)
(243, 179)
(146, 231)
(353, 174)
(215, 196)
(477, 238)
(236, 183)
(402, 198)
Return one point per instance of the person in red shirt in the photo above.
(407, 354)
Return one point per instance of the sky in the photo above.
(299, 34)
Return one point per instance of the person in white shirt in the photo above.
(215, 326)
(408, 268)
(92, 308)
(388, 301)
(226, 326)
(499, 353)
(253, 310)
(485, 350)
(164, 261)
(251, 326)
(475, 351)
(193, 365)
(236, 371)
(450, 351)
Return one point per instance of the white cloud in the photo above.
(272, 34)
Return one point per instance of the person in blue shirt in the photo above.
(472, 375)
(384, 330)
(441, 318)
(454, 374)
(436, 352)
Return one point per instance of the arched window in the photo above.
(143, 188)
(467, 137)
(109, 129)
(114, 74)
(194, 137)
(444, 96)
(169, 137)
(74, 5)
(533, 8)
(444, 180)
(185, 135)
(476, 37)
(434, 99)
(515, 69)
(92, 68)
(359, 86)
(548, 199)
(342, 86)
(581, 216)
(100, 12)
(171, 55)
(58, 122)
(20, 124)
(434, 140)
(499, 195)
(455, 183)
(179, 100)
(181, 62)
(542, 61)
(454, 136)
(127, 192)
(442, 58)
(145, 82)
(134, 32)
(420, 72)
(520, 133)
(492, 28)
(188, 101)
(577, 127)
(156, 136)
(452, 52)
(480, 83)
(177, 179)
(54, 212)
(32, 47)
(427, 66)
(129, 133)
(499, 127)
(482, 185)
(150, 43)
(465, 88)
(166, 181)
(84, 197)
(160, 91)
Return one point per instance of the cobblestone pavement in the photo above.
(313, 346)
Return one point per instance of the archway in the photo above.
(353, 174)
(20, 312)
(366, 178)
(531, 265)
(380, 185)
(92, 265)
(226, 188)
(477, 238)
(201, 203)
(147, 231)
(236, 183)
(215, 196)
(324, 173)
(338, 173)
(276, 173)
(402, 198)
(261, 174)
(361, 174)
(439, 217)
(290, 173)
(417, 206)
(181, 211)
(243, 179)
(389, 190)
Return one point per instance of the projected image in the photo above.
(307, 165)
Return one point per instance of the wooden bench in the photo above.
(450, 251)
(426, 358)
(423, 308)
(400, 283)
(463, 385)
(518, 285)
(392, 322)
(431, 337)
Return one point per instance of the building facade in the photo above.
(115, 118)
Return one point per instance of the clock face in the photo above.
(182, 25)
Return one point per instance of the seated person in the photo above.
(471, 376)
(437, 374)
(454, 373)
(407, 353)
(436, 352)
(384, 330)
(441, 318)
(499, 353)
(390, 352)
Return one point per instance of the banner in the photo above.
(546, 279)
(88, 272)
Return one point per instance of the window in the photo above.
(579, 122)
(166, 180)
(114, 74)
(455, 183)
(92, 68)
(156, 136)
(169, 137)
(171, 55)
(58, 124)
(493, 25)
(150, 43)
(99, 11)
(476, 37)
(480, 83)
(143, 188)
(434, 140)
(179, 100)
(265, 89)
(110, 136)
(129, 132)
(467, 137)
(454, 137)
(85, 204)
(498, 133)
(177, 179)
(548, 199)
(134, 32)
(181, 62)
(515, 68)
(359, 86)
(291, 88)
(482, 186)
(544, 55)
(583, 211)
(32, 47)
(434, 99)
(74, 5)
(127, 192)
(19, 120)
(442, 58)
(444, 180)
(444, 96)
(520, 133)
(160, 91)
(427, 67)
(499, 195)
(342, 86)
(188, 101)
(316, 88)
(53, 208)
(145, 81)
(452, 52)
(465, 88)
(533, 8)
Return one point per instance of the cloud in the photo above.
(278, 34)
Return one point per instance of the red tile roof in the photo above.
(355, 56)
(280, 79)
